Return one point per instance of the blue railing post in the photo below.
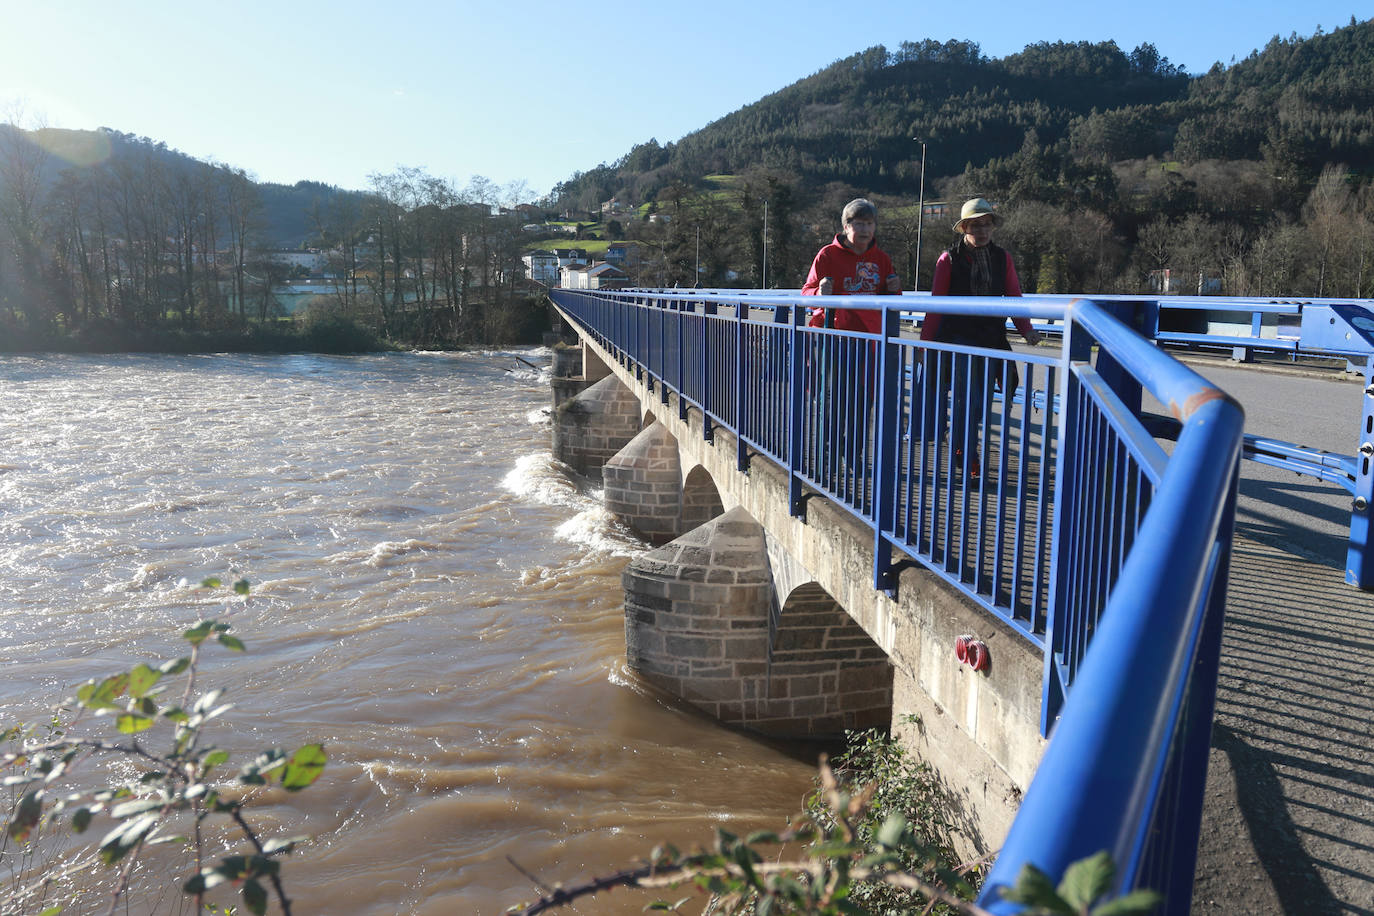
(678, 310)
(796, 396)
(889, 427)
(743, 419)
(1063, 562)
(1359, 559)
(708, 310)
(1247, 354)
(1136, 316)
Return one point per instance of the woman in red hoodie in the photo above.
(842, 373)
(852, 265)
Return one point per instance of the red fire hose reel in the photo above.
(971, 651)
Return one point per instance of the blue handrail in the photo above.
(1073, 526)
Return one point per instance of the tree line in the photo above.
(106, 239)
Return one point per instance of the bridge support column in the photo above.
(698, 623)
(644, 485)
(590, 428)
(567, 381)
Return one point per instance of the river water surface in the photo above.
(433, 598)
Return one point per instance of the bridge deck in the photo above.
(1289, 822)
(1288, 825)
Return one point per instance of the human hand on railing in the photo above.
(894, 284)
(826, 286)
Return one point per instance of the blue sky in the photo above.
(513, 91)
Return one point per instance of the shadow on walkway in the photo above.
(1288, 825)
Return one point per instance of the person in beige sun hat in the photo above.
(973, 209)
(974, 266)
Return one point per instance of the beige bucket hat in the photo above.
(975, 208)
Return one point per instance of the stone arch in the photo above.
(701, 500)
(824, 663)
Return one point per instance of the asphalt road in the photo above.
(1317, 408)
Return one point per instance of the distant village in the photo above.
(573, 268)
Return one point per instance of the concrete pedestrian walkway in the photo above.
(1288, 824)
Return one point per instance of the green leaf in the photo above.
(175, 666)
(255, 897)
(1087, 879)
(241, 587)
(303, 767)
(125, 837)
(103, 695)
(51, 911)
(1033, 888)
(137, 806)
(132, 723)
(1136, 903)
(142, 679)
(26, 815)
(211, 582)
(283, 844)
(199, 633)
(231, 642)
(890, 833)
(213, 759)
(81, 819)
(206, 701)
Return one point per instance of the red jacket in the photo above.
(852, 275)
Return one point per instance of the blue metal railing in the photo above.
(1071, 525)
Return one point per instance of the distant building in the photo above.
(1169, 282)
(622, 254)
(312, 260)
(575, 257)
(594, 276)
(541, 266)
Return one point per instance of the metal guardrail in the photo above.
(1293, 328)
(1073, 526)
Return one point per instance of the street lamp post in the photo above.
(765, 244)
(920, 212)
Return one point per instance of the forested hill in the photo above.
(1299, 101)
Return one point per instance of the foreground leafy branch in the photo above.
(153, 792)
(839, 855)
(874, 839)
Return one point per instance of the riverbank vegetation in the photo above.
(111, 242)
(875, 839)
